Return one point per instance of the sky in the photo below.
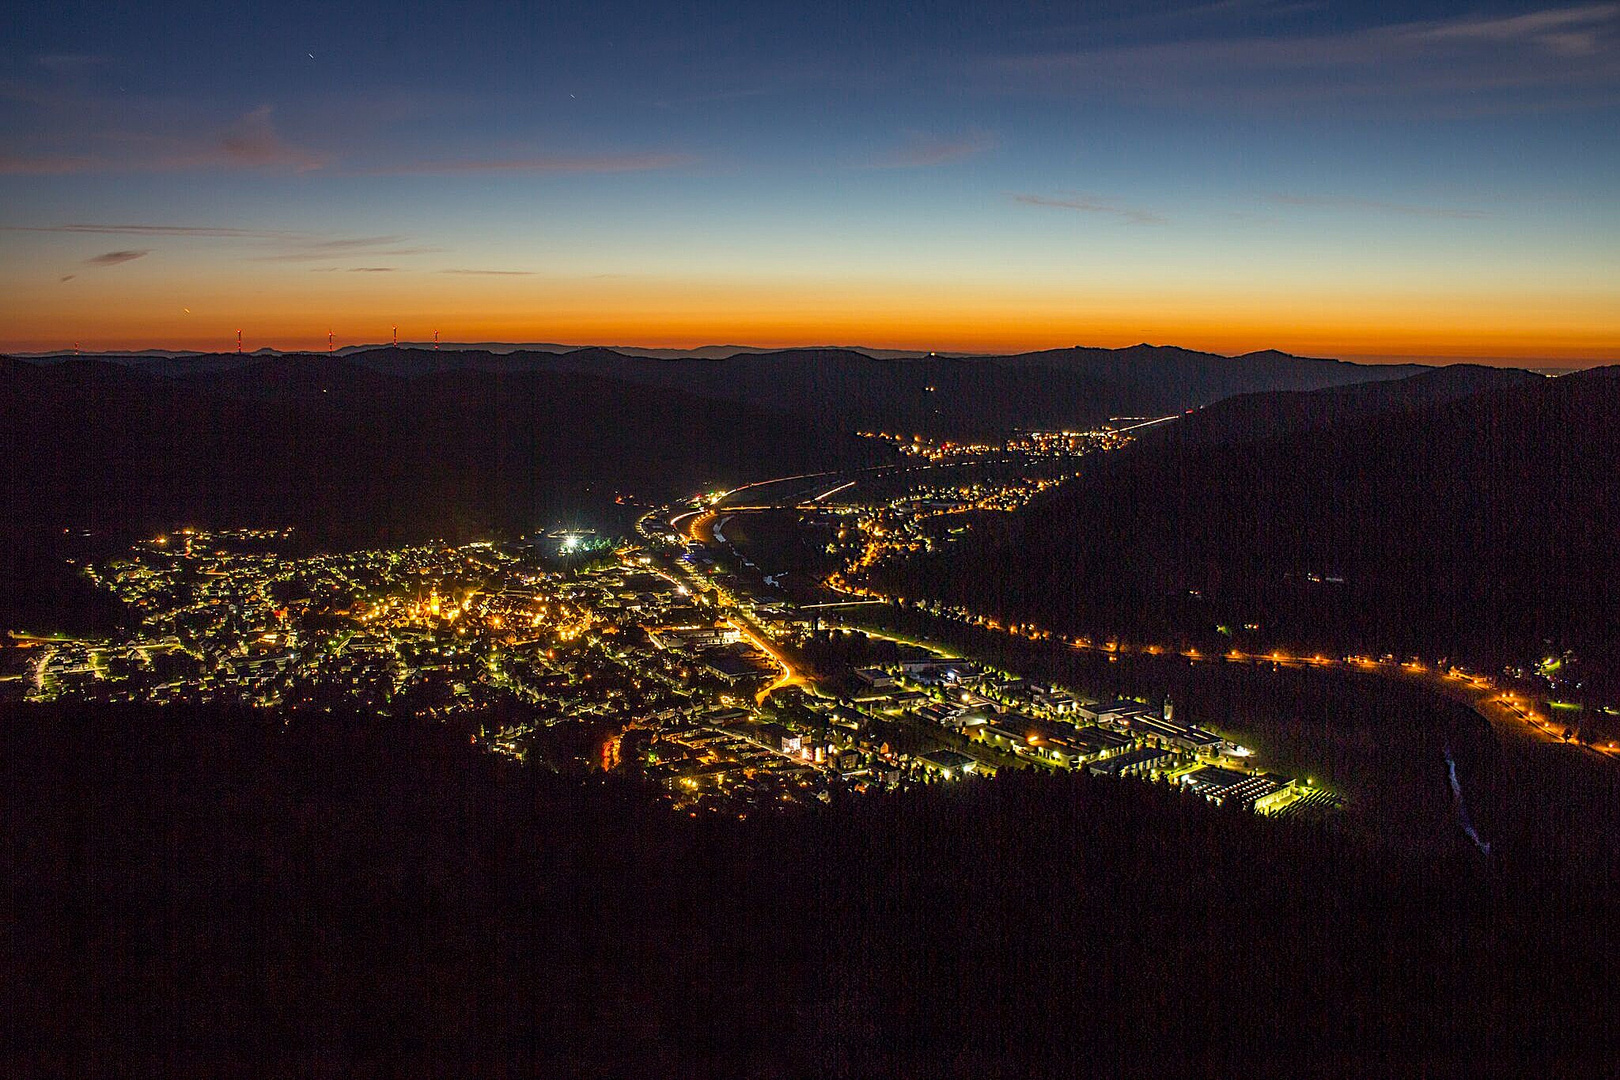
(1371, 180)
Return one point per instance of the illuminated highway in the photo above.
(788, 676)
(735, 618)
(1508, 710)
(1514, 713)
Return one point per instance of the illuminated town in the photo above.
(673, 658)
(1027, 443)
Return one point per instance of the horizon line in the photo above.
(1427, 359)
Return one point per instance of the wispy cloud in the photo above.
(1351, 202)
(1570, 31)
(351, 243)
(110, 258)
(114, 258)
(492, 273)
(44, 164)
(249, 142)
(1089, 205)
(252, 142)
(551, 164)
(158, 230)
(264, 245)
(1558, 56)
(923, 150)
(311, 250)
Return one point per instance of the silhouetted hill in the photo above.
(703, 352)
(1476, 525)
(1068, 388)
(850, 389)
(414, 440)
(205, 892)
(343, 450)
(287, 378)
(1156, 380)
(855, 391)
(1249, 417)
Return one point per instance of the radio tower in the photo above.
(75, 348)
(239, 341)
(435, 341)
(396, 337)
(329, 341)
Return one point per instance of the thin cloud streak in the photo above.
(295, 246)
(114, 258)
(1087, 205)
(1574, 51)
(492, 273)
(212, 231)
(926, 151)
(251, 142)
(351, 243)
(44, 164)
(316, 250)
(1572, 31)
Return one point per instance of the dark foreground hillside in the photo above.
(206, 893)
(346, 452)
(1453, 515)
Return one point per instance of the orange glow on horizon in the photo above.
(667, 313)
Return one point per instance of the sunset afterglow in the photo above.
(1225, 177)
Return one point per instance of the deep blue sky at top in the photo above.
(1138, 148)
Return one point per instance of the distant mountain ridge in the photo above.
(849, 389)
(411, 441)
(700, 352)
(387, 444)
(360, 455)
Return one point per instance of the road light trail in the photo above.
(774, 480)
(1472, 690)
(788, 676)
(834, 491)
(1149, 423)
